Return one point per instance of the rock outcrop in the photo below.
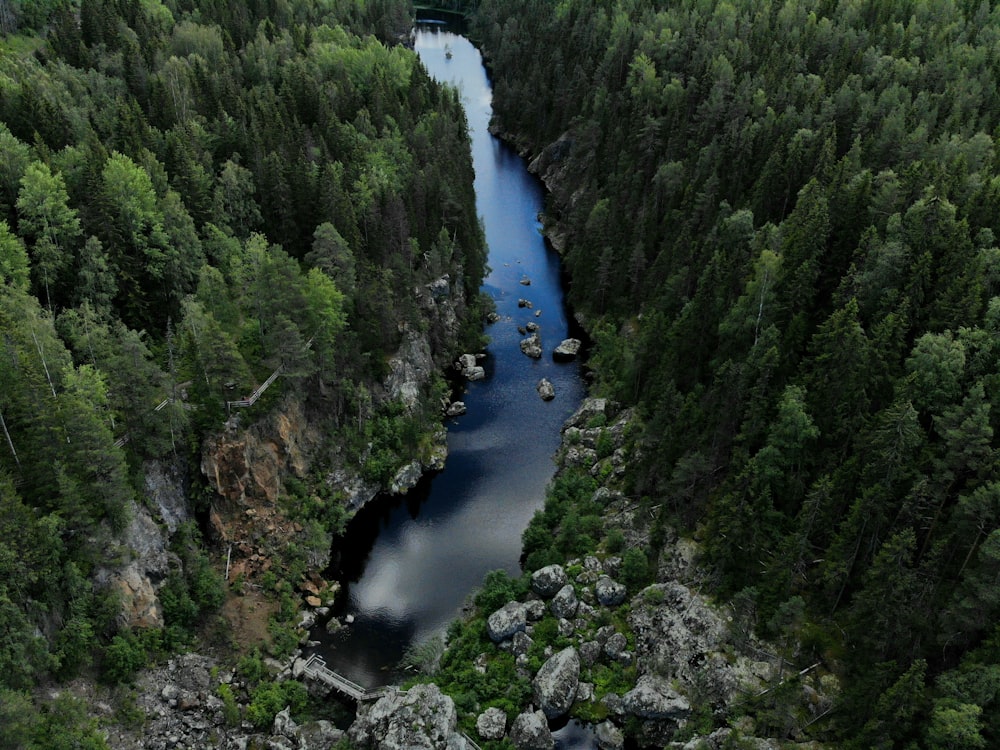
(654, 698)
(530, 731)
(421, 717)
(556, 683)
(567, 350)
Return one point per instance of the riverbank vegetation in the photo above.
(194, 196)
(780, 225)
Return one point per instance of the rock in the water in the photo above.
(492, 318)
(568, 349)
(492, 724)
(532, 346)
(468, 367)
(455, 409)
(545, 389)
(654, 698)
(421, 717)
(531, 326)
(564, 604)
(547, 581)
(609, 736)
(610, 593)
(524, 303)
(556, 682)
(509, 619)
(525, 281)
(530, 731)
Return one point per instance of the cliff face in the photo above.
(248, 464)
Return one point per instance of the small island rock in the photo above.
(545, 389)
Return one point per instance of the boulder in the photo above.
(525, 281)
(654, 698)
(567, 350)
(317, 735)
(509, 619)
(609, 736)
(534, 609)
(610, 593)
(283, 723)
(466, 364)
(590, 652)
(556, 682)
(547, 581)
(564, 604)
(545, 389)
(455, 409)
(530, 731)
(615, 646)
(422, 717)
(524, 303)
(531, 326)
(532, 346)
(521, 643)
(491, 724)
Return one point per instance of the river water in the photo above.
(409, 563)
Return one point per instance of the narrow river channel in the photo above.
(411, 562)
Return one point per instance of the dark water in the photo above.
(411, 562)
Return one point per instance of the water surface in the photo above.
(411, 562)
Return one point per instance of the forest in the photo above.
(780, 224)
(194, 195)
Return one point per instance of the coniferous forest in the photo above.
(779, 222)
(195, 195)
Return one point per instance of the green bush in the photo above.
(123, 657)
(498, 589)
(636, 570)
(271, 697)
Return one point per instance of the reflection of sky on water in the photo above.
(419, 558)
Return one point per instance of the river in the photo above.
(409, 563)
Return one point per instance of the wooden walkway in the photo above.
(252, 398)
(315, 669)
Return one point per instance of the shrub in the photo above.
(123, 657)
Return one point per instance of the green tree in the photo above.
(43, 208)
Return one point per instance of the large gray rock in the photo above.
(610, 593)
(556, 682)
(564, 604)
(421, 717)
(317, 735)
(654, 698)
(545, 389)
(530, 731)
(491, 724)
(609, 736)
(283, 723)
(509, 619)
(547, 581)
(568, 349)
(532, 346)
